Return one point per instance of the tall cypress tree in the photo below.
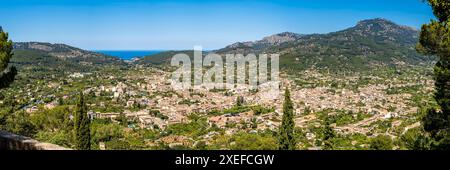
(286, 134)
(82, 125)
(328, 136)
(6, 74)
(435, 41)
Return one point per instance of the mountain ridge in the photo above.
(368, 44)
(65, 52)
(271, 40)
(363, 27)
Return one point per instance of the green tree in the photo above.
(328, 136)
(245, 141)
(286, 131)
(414, 139)
(239, 101)
(435, 41)
(82, 125)
(20, 123)
(381, 142)
(7, 74)
(122, 119)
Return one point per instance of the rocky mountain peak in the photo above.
(381, 25)
(380, 21)
(281, 38)
(276, 39)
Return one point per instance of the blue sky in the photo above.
(181, 24)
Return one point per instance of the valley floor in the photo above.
(136, 108)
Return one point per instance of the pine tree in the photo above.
(6, 74)
(328, 136)
(82, 125)
(435, 41)
(286, 134)
(239, 101)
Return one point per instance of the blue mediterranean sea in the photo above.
(128, 55)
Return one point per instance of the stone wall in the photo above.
(9, 141)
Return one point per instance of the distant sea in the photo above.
(128, 55)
